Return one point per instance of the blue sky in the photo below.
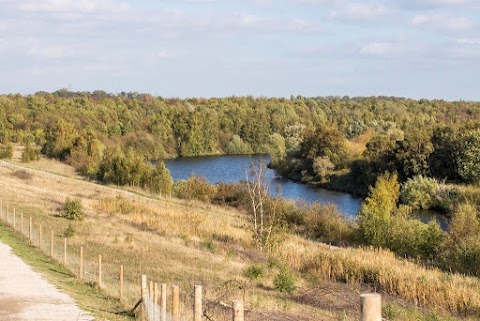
(216, 48)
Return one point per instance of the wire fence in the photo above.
(151, 306)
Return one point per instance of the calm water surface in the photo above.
(234, 168)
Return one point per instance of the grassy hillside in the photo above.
(188, 242)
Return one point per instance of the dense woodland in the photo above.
(402, 154)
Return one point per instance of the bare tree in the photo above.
(262, 216)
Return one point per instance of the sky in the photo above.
(218, 48)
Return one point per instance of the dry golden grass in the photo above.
(428, 287)
(187, 242)
(172, 241)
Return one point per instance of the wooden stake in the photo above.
(121, 283)
(21, 222)
(30, 229)
(65, 251)
(197, 308)
(14, 219)
(143, 287)
(100, 270)
(155, 302)
(150, 290)
(237, 310)
(163, 306)
(40, 237)
(51, 243)
(175, 303)
(81, 263)
(370, 307)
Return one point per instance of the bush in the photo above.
(327, 223)
(254, 272)
(285, 281)
(22, 174)
(446, 198)
(30, 153)
(419, 192)
(69, 231)
(73, 210)
(6, 151)
(194, 188)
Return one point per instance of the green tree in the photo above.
(160, 181)
(60, 138)
(375, 212)
(419, 192)
(462, 246)
(469, 157)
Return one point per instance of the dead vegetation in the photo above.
(189, 242)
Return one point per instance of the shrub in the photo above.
(6, 151)
(327, 223)
(73, 210)
(446, 198)
(285, 281)
(30, 153)
(209, 245)
(254, 272)
(69, 231)
(419, 192)
(22, 174)
(194, 188)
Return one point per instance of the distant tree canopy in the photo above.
(339, 142)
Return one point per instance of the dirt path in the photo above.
(25, 295)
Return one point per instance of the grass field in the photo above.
(186, 242)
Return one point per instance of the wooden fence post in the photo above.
(150, 290)
(197, 308)
(6, 215)
(21, 222)
(99, 270)
(30, 230)
(237, 310)
(143, 287)
(371, 307)
(121, 283)
(163, 312)
(14, 218)
(175, 303)
(1, 209)
(65, 251)
(51, 244)
(81, 263)
(155, 302)
(144, 291)
(40, 237)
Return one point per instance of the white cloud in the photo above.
(376, 48)
(365, 11)
(360, 11)
(83, 6)
(50, 52)
(469, 42)
(442, 22)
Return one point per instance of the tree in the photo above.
(469, 157)
(263, 219)
(376, 210)
(419, 192)
(60, 138)
(462, 246)
(160, 181)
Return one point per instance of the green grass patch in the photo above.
(89, 297)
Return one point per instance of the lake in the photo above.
(234, 168)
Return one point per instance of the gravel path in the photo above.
(25, 295)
